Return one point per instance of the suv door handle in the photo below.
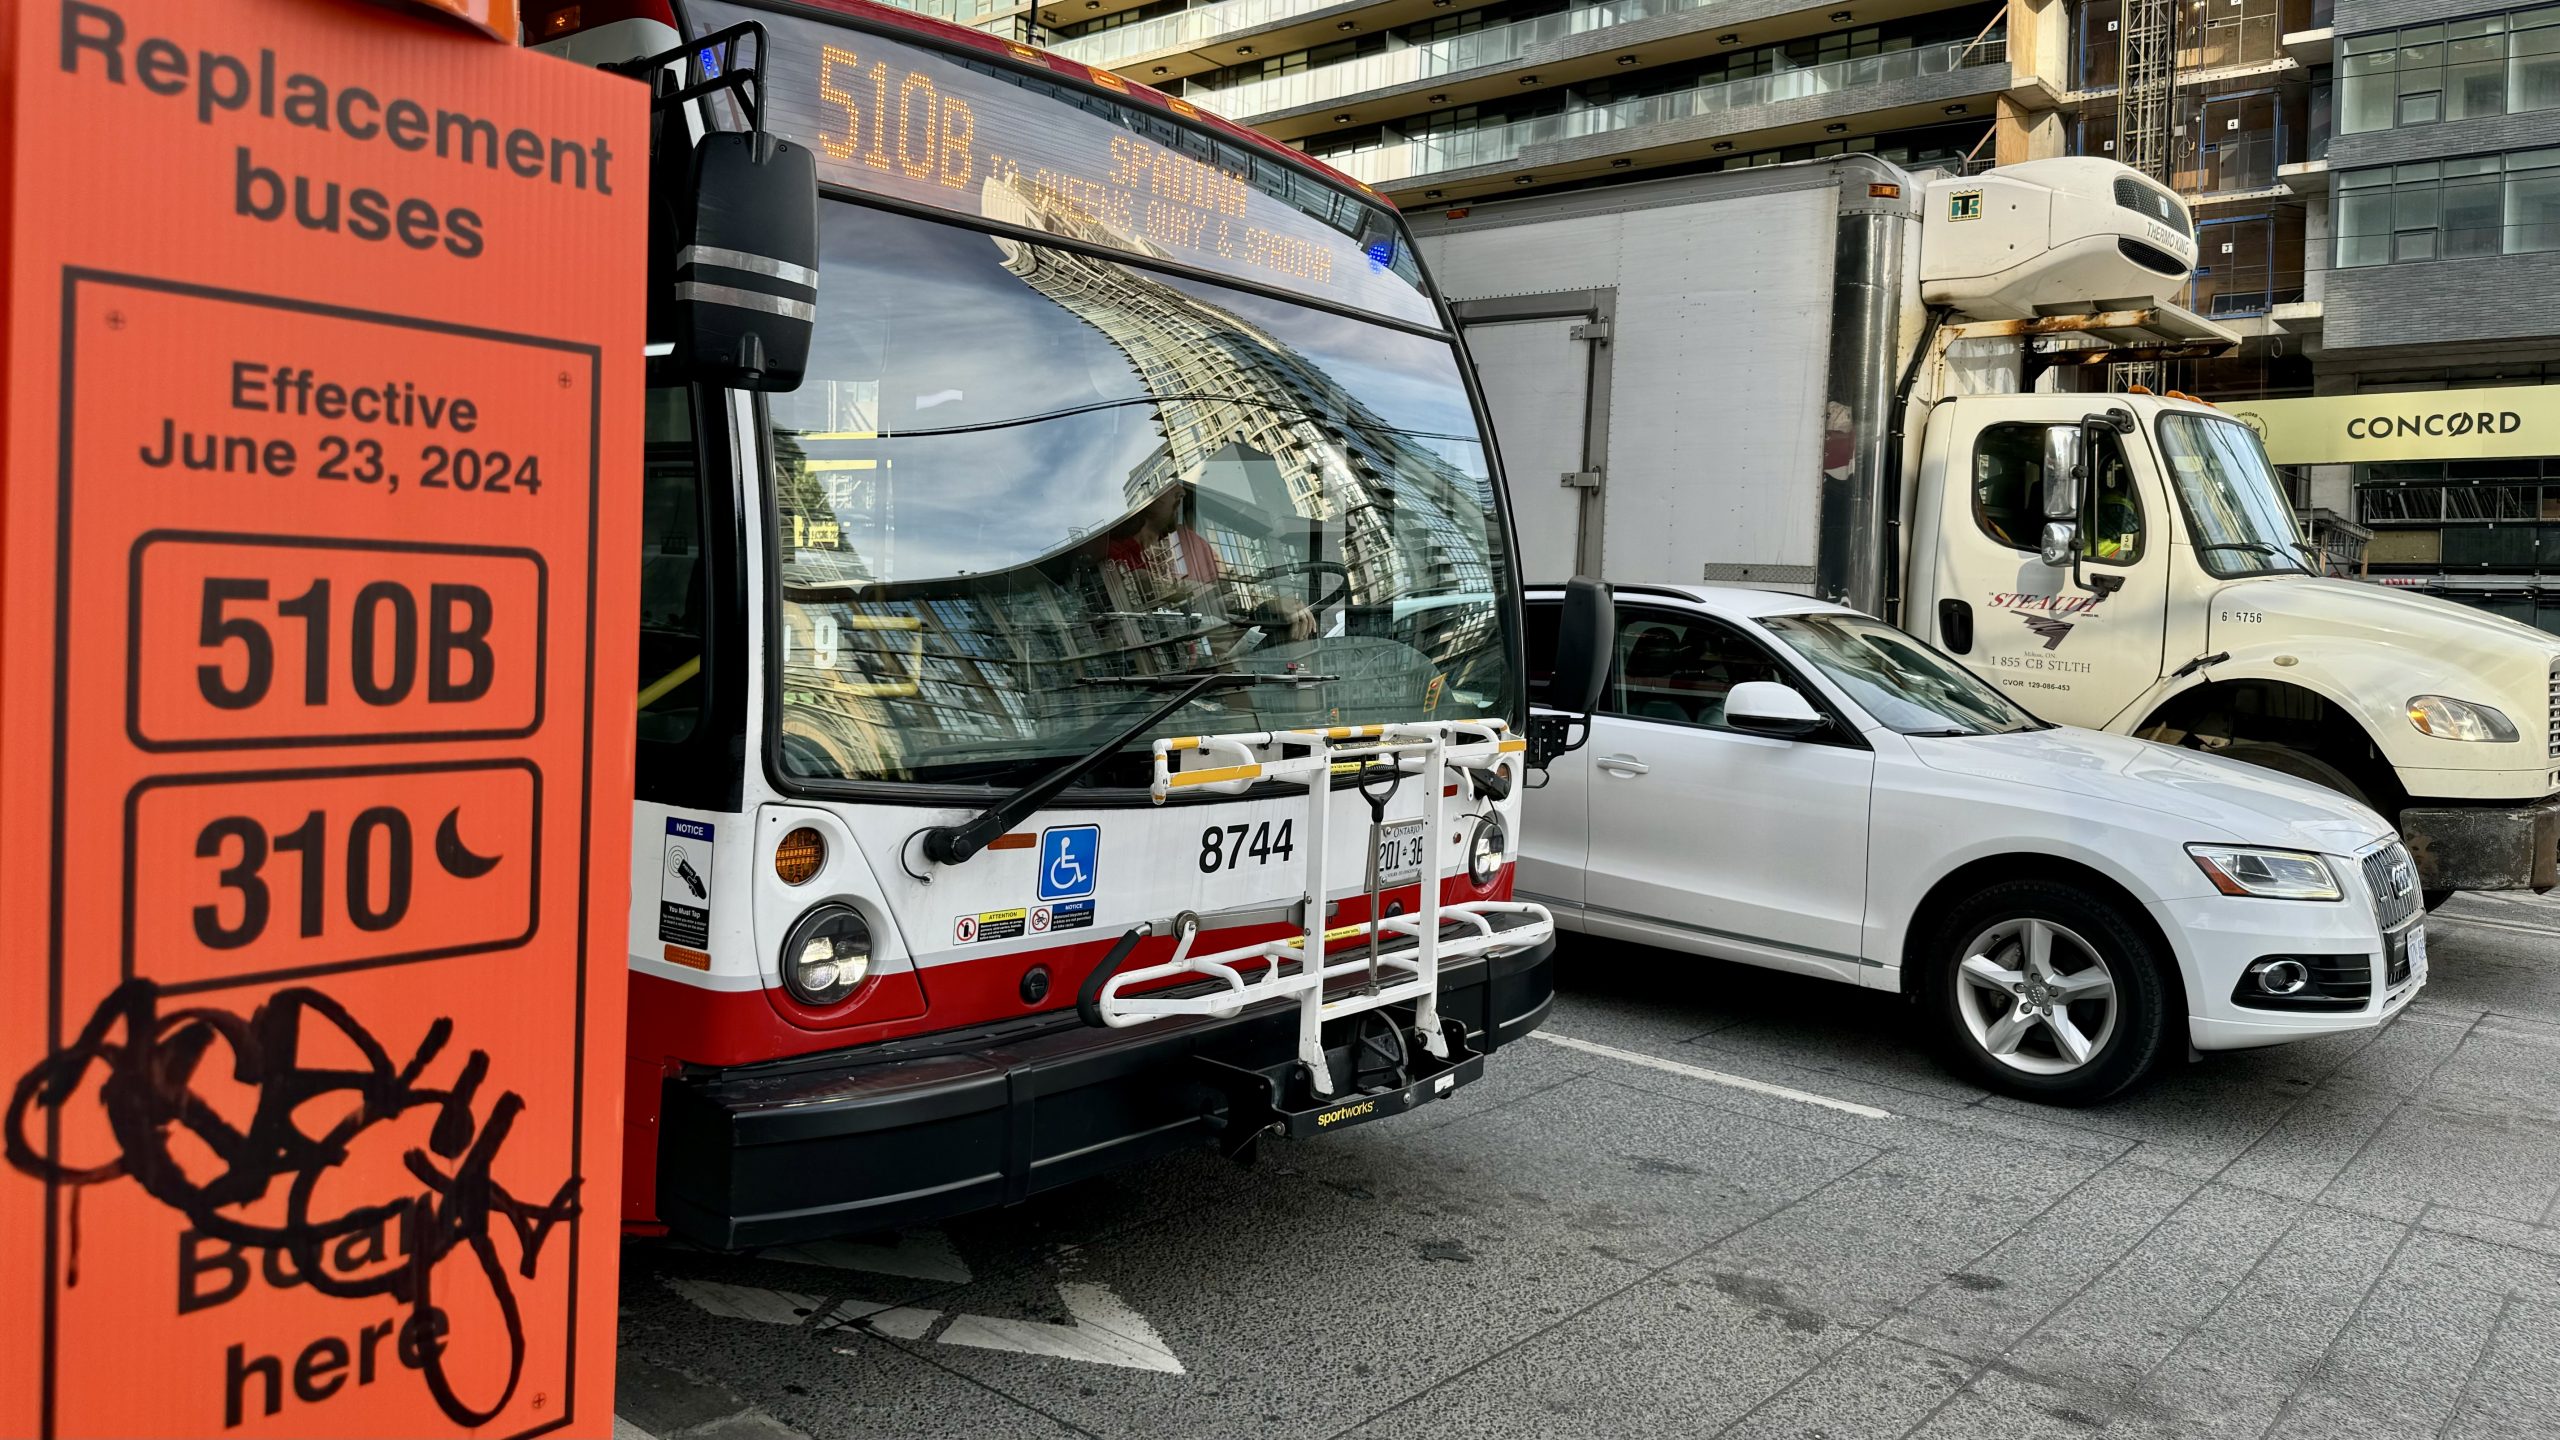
(1627, 763)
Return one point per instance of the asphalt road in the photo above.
(2350, 1237)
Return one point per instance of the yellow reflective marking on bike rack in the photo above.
(1212, 777)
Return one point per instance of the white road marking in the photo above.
(748, 1302)
(1101, 1329)
(1713, 1077)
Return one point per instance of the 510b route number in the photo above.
(385, 638)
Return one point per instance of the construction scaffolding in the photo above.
(2146, 72)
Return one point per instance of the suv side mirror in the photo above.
(743, 303)
(1586, 636)
(1765, 707)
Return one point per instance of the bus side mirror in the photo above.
(1586, 634)
(743, 303)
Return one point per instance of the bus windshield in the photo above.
(1023, 482)
(1062, 448)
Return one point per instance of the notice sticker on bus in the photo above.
(684, 884)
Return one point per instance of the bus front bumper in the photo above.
(913, 1131)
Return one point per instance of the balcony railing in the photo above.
(1497, 45)
(1183, 30)
(1402, 159)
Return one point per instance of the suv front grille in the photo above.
(2555, 709)
(2392, 879)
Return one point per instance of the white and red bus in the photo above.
(1123, 591)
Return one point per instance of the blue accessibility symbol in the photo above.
(1070, 861)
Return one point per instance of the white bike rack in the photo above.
(1304, 967)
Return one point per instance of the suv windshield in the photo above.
(1904, 684)
(2242, 523)
(1022, 484)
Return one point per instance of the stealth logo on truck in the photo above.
(2044, 614)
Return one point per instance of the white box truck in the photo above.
(1844, 379)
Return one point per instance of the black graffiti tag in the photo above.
(146, 1065)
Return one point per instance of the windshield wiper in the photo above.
(951, 844)
(2260, 547)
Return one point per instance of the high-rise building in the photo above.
(2376, 183)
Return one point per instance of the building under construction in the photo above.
(2376, 183)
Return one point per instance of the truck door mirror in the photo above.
(742, 298)
(2065, 470)
(1765, 707)
(2060, 543)
(1586, 637)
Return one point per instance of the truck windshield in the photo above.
(1025, 484)
(2238, 514)
(1908, 687)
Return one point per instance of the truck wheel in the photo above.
(2300, 764)
(2048, 992)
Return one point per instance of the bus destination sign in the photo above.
(966, 135)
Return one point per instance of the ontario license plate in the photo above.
(2418, 954)
(1401, 851)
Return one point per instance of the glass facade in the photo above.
(2453, 70)
(2462, 515)
(2484, 532)
(2450, 209)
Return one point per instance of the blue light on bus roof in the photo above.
(710, 62)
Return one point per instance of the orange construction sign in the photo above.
(318, 545)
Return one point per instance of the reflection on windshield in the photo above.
(2242, 523)
(1905, 685)
(1020, 480)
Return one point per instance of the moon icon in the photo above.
(456, 857)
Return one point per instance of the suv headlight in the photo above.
(2449, 719)
(2266, 874)
(827, 955)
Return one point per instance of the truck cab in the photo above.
(2187, 608)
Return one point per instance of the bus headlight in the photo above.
(1484, 852)
(827, 955)
(2449, 719)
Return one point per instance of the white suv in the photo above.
(1781, 782)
